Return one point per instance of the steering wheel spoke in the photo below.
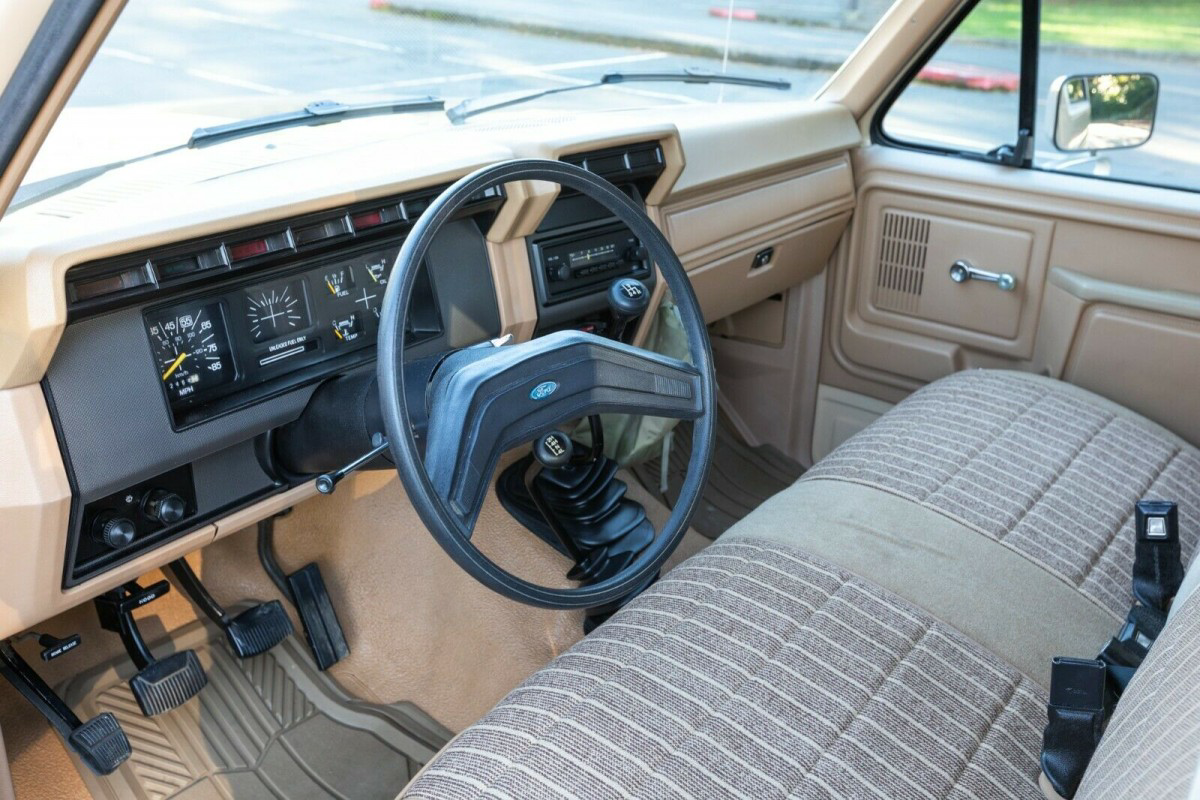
(486, 401)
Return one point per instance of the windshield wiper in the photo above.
(469, 108)
(321, 112)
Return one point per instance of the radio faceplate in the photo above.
(577, 263)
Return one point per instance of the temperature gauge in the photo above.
(348, 328)
(191, 349)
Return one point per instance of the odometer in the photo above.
(191, 349)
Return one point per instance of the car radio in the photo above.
(572, 264)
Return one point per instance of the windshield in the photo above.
(170, 66)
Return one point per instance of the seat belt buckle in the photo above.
(1076, 716)
(1157, 558)
(1077, 684)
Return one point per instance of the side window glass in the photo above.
(1118, 89)
(965, 98)
(1122, 81)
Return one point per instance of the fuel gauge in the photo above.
(348, 328)
(339, 282)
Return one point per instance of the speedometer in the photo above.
(191, 349)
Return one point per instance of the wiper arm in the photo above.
(321, 112)
(469, 108)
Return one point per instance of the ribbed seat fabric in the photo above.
(754, 670)
(1045, 468)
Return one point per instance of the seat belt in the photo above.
(1083, 692)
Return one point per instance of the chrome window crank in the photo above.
(962, 271)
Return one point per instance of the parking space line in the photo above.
(307, 33)
(205, 75)
(511, 69)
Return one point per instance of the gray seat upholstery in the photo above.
(754, 670)
(883, 628)
(1045, 468)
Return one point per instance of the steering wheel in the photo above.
(484, 400)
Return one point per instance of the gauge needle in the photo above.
(174, 366)
(337, 332)
(330, 285)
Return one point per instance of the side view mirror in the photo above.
(1103, 112)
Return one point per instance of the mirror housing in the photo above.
(1103, 112)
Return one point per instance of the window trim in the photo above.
(879, 137)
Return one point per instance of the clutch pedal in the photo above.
(160, 684)
(99, 742)
(252, 632)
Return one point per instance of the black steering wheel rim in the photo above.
(446, 529)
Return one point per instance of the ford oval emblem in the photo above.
(543, 390)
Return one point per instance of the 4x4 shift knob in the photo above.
(628, 299)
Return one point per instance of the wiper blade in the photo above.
(321, 112)
(469, 108)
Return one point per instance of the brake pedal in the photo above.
(252, 632)
(99, 742)
(160, 684)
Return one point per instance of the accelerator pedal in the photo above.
(160, 684)
(250, 633)
(99, 742)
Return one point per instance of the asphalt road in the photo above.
(237, 59)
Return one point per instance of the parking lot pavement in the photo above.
(236, 59)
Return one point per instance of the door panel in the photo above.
(1107, 295)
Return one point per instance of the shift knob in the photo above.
(553, 450)
(628, 299)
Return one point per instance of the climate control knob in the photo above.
(165, 507)
(114, 531)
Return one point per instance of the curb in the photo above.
(952, 75)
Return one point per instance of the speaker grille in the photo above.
(900, 277)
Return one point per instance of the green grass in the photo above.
(1161, 26)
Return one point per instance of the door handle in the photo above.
(962, 271)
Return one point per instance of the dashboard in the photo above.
(179, 363)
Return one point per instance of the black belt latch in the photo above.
(1078, 711)
(1157, 558)
(1125, 652)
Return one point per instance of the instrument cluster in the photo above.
(213, 349)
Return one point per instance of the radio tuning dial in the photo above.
(637, 255)
(561, 273)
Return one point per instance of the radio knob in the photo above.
(637, 255)
(560, 273)
(165, 507)
(116, 532)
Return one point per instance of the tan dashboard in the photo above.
(786, 191)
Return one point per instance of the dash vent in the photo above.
(900, 277)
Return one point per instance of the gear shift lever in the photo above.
(628, 299)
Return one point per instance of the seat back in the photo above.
(1152, 745)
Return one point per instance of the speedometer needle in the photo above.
(174, 366)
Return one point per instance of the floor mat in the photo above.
(740, 479)
(271, 726)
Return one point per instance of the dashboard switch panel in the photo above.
(133, 519)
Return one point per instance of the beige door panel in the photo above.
(907, 246)
(1107, 294)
